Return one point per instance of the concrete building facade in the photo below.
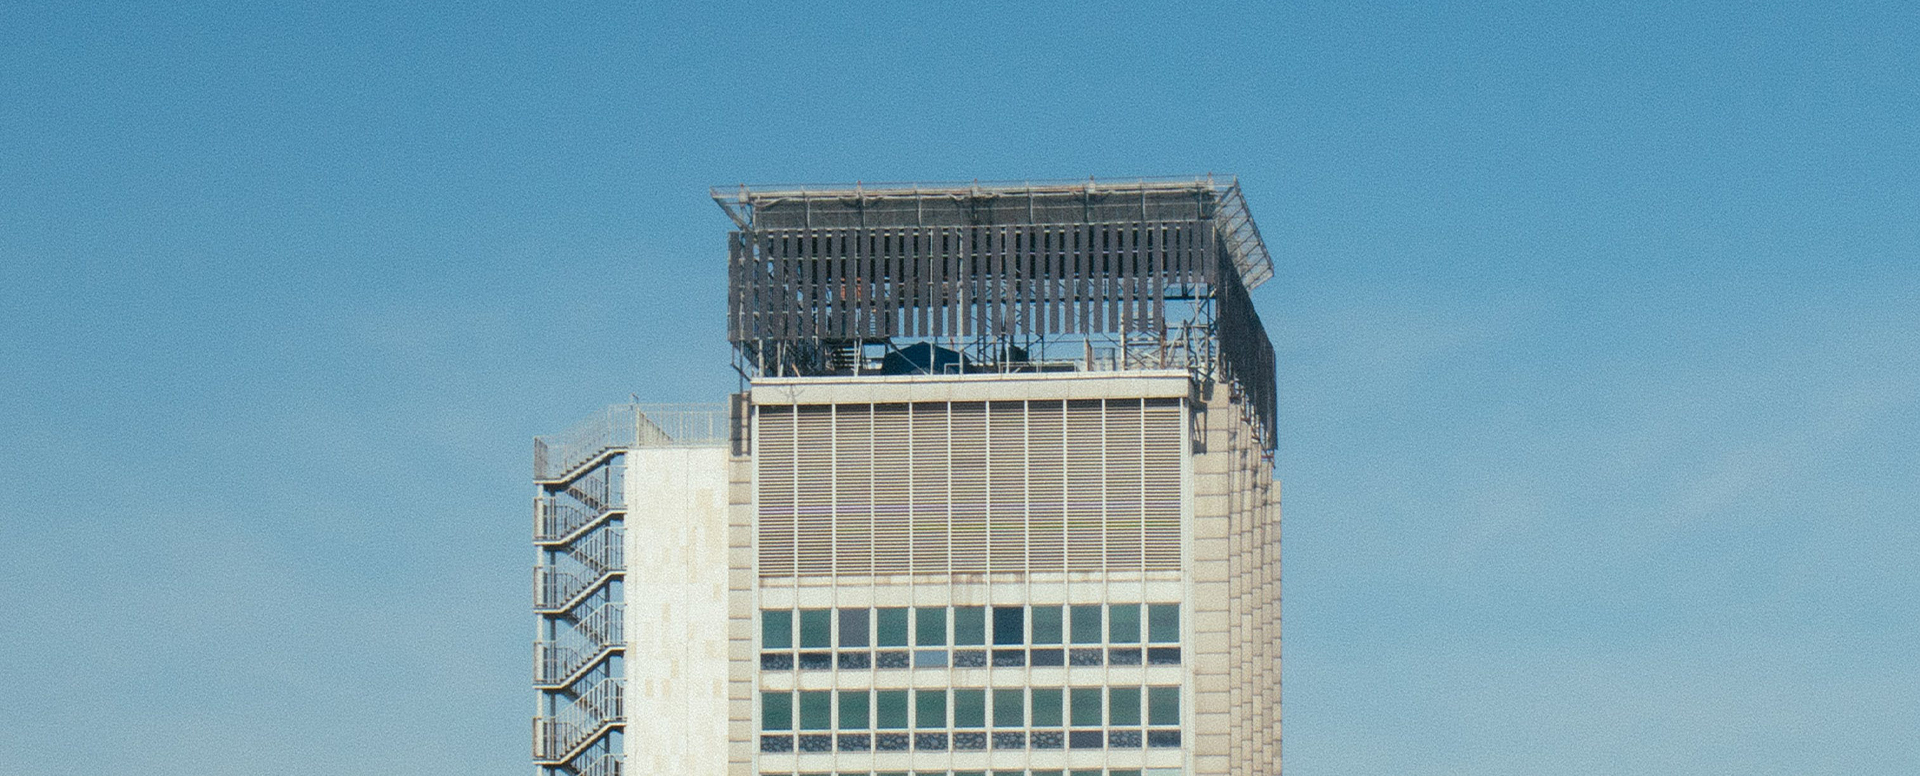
(996, 498)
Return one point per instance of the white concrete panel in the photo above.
(677, 611)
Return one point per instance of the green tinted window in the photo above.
(930, 626)
(1123, 624)
(890, 709)
(1046, 624)
(816, 710)
(1123, 706)
(929, 708)
(1163, 705)
(969, 708)
(891, 627)
(776, 711)
(1163, 623)
(1086, 706)
(853, 709)
(816, 629)
(1087, 625)
(853, 627)
(1009, 708)
(776, 629)
(969, 625)
(1046, 707)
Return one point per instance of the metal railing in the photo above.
(579, 722)
(554, 590)
(629, 425)
(606, 765)
(594, 635)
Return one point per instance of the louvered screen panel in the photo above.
(929, 488)
(1164, 425)
(1046, 486)
(1123, 527)
(1007, 486)
(968, 489)
(813, 488)
(775, 460)
(1086, 485)
(892, 491)
(853, 489)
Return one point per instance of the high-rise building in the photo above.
(996, 498)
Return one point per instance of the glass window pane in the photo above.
(1046, 624)
(1086, 706)
(816, 629)
(853, 709)
(929, 709)
(776, 711)
(816, 710)
(969, 708)
(853, 627)
(969, 625)
(1163, 623)
(891, 625)
(1046, 707)
(1087, 625)
(930, 626)
(1009, 625)
(890, 709)
(1123, 706)
(1163, 706)
(1009, 707)
(776, 629)
(1123, 624)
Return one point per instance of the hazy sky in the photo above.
(1598, 329)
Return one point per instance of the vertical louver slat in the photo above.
(813, 488)
(1006, 486)
(776, 491)
(1165, 424)
(1086, 485)
(968, 489)
(853, 489)
(929, 488)
(892, 490)
(1123, 455)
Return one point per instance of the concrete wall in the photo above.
(676, 594)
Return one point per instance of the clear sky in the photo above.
(1598, 328)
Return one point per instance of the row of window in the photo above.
(970, 658)
(940, 626)
(1075, 772)
(1008, 707)
(961, 741)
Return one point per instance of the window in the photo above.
(776, 711)
(816, 710)
(1123, 706)
(1046, 624)
(1163, 623)
(853, 710)
(891, 625)
(969, 708)
(1086, 624)
(1009, 708)
(816, 629)
(1086, 706)
(1163, 705)
(853, 627)
(1047, 707)
(1123, 623)
(969, 625)
(1009, 625)
(890, 709)
(929, 709)
(776, 629)
(930, 626)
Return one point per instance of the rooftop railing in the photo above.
(624, 426)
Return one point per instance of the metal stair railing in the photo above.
(556, 591)
(558, 738)
(606, 765)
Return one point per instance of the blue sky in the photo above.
(1598, 328)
